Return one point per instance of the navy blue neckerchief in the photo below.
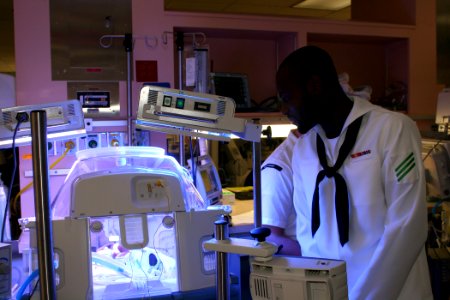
(341, 195)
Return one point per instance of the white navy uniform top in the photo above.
(385, 254)
(277, 208)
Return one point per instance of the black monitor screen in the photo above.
(232, 85)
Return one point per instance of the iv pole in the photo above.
(221, 227)
(128, 44)
(180, 49)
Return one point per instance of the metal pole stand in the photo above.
(222, 279)
(222, 244)
(256, 160)
(42, 206)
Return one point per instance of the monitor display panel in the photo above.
(234, 86)
(207, 180)
(209, 184)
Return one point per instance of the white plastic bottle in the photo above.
(3, 193)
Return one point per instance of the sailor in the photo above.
(359, 186)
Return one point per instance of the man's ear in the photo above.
(314, 85)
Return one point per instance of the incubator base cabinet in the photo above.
(128, 223)
(274, 277)
(285, 278)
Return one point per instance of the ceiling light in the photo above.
(323, 4)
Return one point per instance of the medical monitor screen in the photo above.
(234, 86)
(208, 183)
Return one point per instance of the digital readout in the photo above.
(200, 106)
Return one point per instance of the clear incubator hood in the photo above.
(104, 162)
(129, 223)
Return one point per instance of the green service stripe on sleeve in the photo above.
(404, 162)
(401, 176)
(405, 167)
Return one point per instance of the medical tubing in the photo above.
(156, 251)
(431, 150)
(25, 188)
(8, 197)
(27, 282)
(15, 285)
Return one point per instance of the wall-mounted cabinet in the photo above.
(378, 61)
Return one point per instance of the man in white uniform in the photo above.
(359, 186)
(277, 207)
(277, 189)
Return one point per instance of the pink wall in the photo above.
(33, 73)
(32, 38)
(32, 50)
(371, 56)
(238, 56)
(33, 69)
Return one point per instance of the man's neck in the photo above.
(333, 124)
